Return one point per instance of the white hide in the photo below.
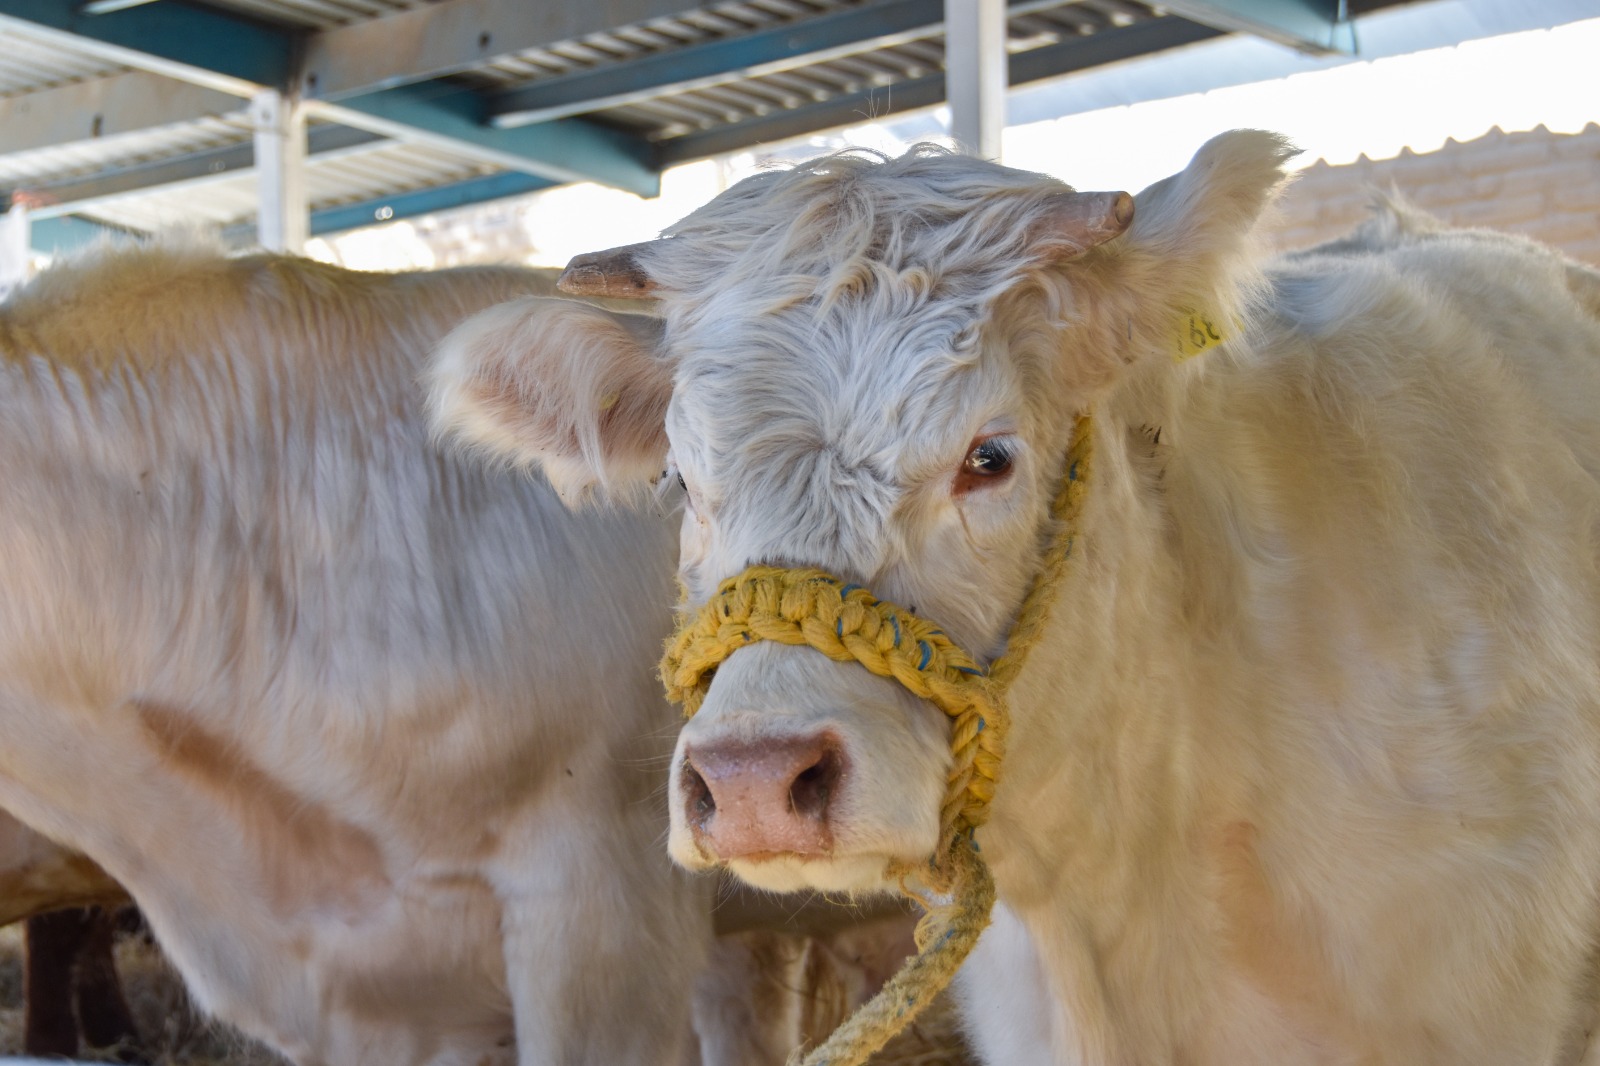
(371, 734)
(1307, 766)
(39, 875)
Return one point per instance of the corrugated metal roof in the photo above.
(384, 171)
(761, 94)
(674, 114)
(29, 63)
(317, 14)
(43, 166)
(714, 22)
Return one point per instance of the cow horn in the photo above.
(615, 272)
(1084, 220)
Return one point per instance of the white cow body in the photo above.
(371, 734)
(1345, 662)
(1306, 767)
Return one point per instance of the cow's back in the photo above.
(237, 494)
(1538, 312)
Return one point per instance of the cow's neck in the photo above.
(1105, 779)
(1097, 782)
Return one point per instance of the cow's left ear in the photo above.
(1194, 242)
(579, 391)
(1171, 281)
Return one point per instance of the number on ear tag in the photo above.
(1196, 333)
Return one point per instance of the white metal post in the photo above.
(975, 73)
(16, 248)
(283, 216)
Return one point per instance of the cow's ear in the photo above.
(579, 391)
(1195, 238)
(1177, 279)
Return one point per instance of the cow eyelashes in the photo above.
(667, 476)
(665, 482)
(988, 461)
(673, 475)
(989, 458)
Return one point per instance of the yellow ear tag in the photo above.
(1196, 333)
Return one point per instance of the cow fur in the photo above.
(37, 875)
(1307, 766)
(369, 731)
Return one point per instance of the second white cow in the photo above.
(1307, 767)
(369, 732)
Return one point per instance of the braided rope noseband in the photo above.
(847, 623)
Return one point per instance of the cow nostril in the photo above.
(702, 804)
(813, 787)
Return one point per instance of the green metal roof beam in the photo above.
(202, 46)
(700, 66)
(382, 210)
(450, 118)
(1311, 26)
(53, 236)
(423, 202)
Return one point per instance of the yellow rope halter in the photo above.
(846, 622)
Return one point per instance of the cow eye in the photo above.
(988, 460)
(687, 496)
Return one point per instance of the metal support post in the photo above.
(975, 73)
(16, 248)
(283, 217)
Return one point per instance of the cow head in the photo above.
(869, 366)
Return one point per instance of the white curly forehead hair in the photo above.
(826, 326)
(843, 223)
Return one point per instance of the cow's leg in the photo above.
(52, 943)
(769, 992)
(103, 1012)
(747, 1003)
(210, 917)
(292, 930)
(603, 940)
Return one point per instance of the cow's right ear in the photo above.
(580, 391)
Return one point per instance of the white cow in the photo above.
(370, 733)
(39, 875)
(1307, 766)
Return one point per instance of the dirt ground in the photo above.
(174, 1034)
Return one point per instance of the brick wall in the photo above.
(1542, 184)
